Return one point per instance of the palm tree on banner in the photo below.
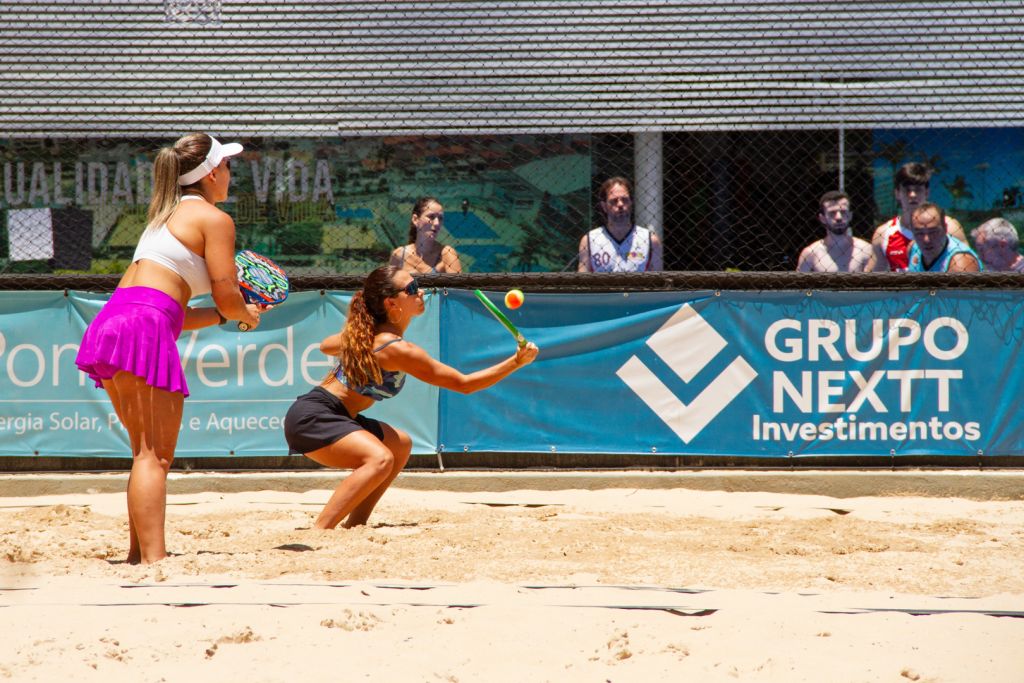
(958, 190)
(935, 162)
(894, 153)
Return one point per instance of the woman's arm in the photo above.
(198, 318)
(331, 346)
(219, 238)
(408, 357)
(450, 259)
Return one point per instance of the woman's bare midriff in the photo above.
(145, 273)
(354, 403)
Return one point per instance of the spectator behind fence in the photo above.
(892, 239)
(934, 250)
(997, 242)
(839, 251)
(619, 246)
(423, 253)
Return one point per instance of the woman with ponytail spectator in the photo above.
(424, 254)
(187, 249)
(373, 361)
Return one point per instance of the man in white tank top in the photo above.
(619, 246)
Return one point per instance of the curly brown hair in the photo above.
(364, 314)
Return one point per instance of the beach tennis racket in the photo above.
(520, 339)
(260, 280)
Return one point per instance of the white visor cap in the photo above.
(217, 154)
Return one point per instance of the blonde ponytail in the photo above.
(166, 192)
(171, 162)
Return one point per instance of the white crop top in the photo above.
(160, 246)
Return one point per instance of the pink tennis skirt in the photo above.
(135, 331)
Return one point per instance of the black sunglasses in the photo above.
(413, 288)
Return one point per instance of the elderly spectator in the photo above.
(996, 242)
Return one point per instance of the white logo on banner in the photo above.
(686, 343)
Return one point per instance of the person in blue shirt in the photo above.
(934, 249)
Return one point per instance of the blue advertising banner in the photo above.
(241, 384)
(763, 374)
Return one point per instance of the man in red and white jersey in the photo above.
(891, 241)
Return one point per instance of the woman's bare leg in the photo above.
(152, 418)
(371, 463)
(134, 554)
(399, 443)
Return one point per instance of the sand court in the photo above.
(593, 576)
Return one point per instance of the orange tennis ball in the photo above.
(514, 299)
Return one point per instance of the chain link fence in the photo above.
(510, 114)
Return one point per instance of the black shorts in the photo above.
(319, 418)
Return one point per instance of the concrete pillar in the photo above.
(648, 192)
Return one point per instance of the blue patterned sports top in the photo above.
(942, 262)
(391, 380)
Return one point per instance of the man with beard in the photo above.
(619, 246)
(892, 239)
(839, 251)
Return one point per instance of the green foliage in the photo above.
(301, 239)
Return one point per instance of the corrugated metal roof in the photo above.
(318, 68)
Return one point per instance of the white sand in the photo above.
(530, 585)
